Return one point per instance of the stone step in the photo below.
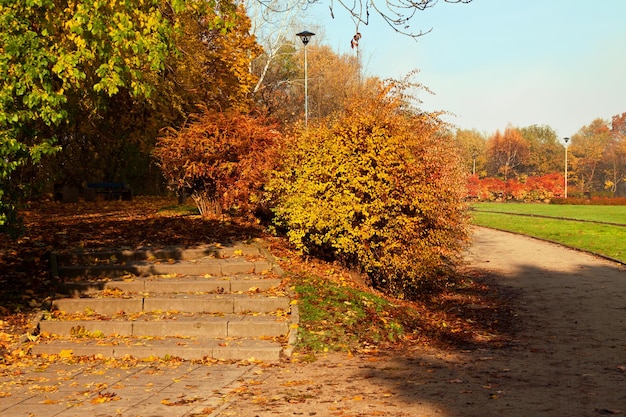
(177, 284)
(210, 302)
(152, 255)
(191, 303)
(209, 266)
(187, 349)
(173, 326)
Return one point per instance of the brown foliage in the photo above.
(507, 151)
(221, 158)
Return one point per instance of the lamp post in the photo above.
(474, 156)
(566, 142)
(305, 37)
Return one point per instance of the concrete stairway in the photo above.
(212, 302)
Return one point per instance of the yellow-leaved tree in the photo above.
(376, 187)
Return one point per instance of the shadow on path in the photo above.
(567, 356)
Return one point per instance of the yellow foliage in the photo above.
(377, 187)
(66, 353)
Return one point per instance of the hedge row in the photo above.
(541, 188)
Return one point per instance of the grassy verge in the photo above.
(601, 239)
(608, 214)
(338, 317)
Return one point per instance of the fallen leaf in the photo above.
(104, 397)
(607, 411)
(66, 353)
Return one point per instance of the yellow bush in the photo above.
(377, 187)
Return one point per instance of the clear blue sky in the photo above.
(492, 63)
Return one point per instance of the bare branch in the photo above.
(398, 14)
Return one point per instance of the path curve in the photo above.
(572, 354)
(569, 357)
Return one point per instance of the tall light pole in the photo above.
(566, 142)
(306, 37)
(354, 44)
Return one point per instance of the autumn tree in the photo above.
(333, 80)
(545, 153)
(586, 152)
(52, 52)
(209, 67)
(506, 152)
(213, 63)
(273, 23)
(101, 79)
(614, 157)
(376, 187)
(472, 145)
(277, 96)
(221, 158)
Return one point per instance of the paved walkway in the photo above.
(143, 390)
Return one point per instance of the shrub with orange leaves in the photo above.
(221, 158)
(376, 187)
(534, 188)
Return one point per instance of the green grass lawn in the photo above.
(603, 239)
(610, 214)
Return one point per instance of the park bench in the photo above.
(110, 191)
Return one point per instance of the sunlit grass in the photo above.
(609, 214)
(339, 317)
(602, 239)
(179, 210)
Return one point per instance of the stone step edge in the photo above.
(209, 268)
(229, 303)
(240, 327)
(229, 285)
(167, 253)
(197, 349)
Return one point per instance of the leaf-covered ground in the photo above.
(25, 279)
(470, 312)
(339, 312)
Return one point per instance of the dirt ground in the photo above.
(568, 357)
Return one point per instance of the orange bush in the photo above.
(222, 159)
(539, 188)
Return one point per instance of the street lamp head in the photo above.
(305, 36)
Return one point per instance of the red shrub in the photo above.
(541, 188)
